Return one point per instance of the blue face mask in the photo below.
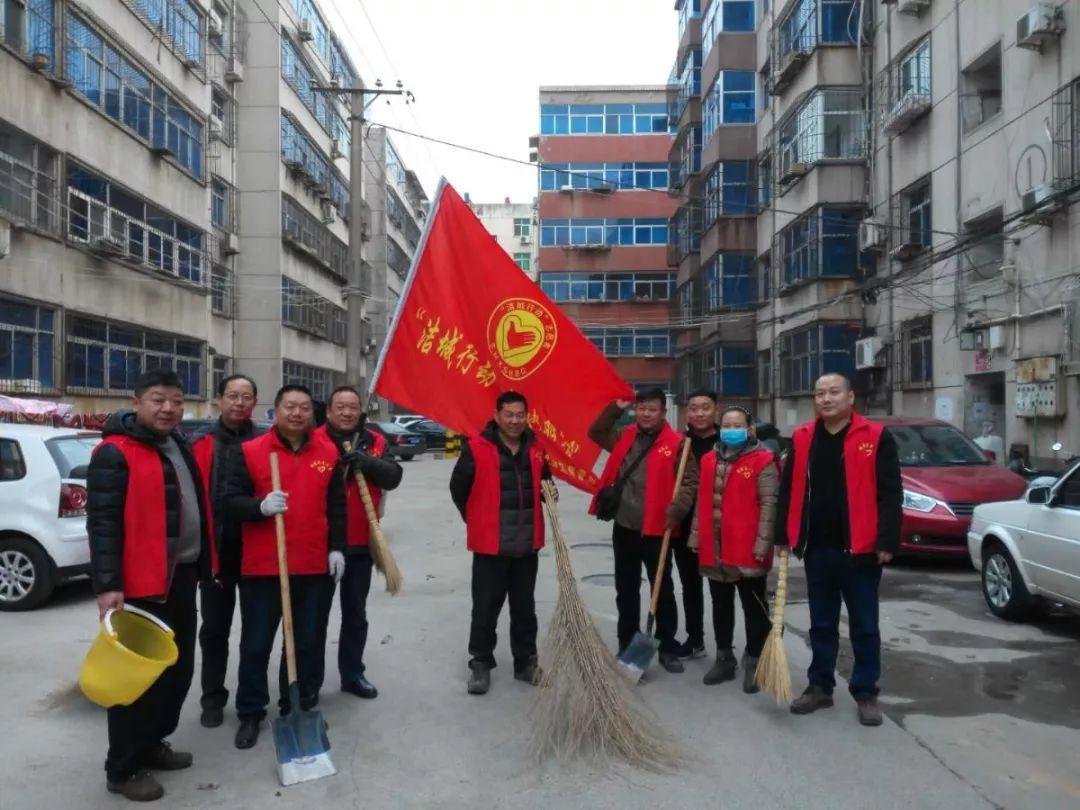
(734, 437)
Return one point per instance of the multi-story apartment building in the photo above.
(514, 226)
(913, 167)
(603, 212)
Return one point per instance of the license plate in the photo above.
(414, 441)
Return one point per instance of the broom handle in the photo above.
(781, 593)
(666, 543)
(283, 577)
(369, 505)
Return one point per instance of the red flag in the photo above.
(471, 325)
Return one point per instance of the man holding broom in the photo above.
(312, 500)
(839, 508)
(496, 488)
(362, 453)
(642, 469)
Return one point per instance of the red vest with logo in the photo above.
(484, 503)
(305, 476)
(740, 511)
(660, 468)
(359, 530)
(860, 474)
(145, 564)
(203, 450)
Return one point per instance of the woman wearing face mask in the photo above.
(732, 531)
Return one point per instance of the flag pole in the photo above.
(408, 285)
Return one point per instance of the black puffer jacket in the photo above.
(516, 502)
(384, 473)
(106, 494)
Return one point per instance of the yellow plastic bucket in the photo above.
(131, 651)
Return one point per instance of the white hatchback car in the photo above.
(1029, 550)
(42, 511)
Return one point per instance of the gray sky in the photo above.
(475, 67)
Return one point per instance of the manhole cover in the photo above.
(606, 546)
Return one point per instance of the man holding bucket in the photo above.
(149, 546)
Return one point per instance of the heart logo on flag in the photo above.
(521, 335)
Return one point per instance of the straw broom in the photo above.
(584, 707)
(381, 555)
(773, 673)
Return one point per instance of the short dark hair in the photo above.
(508, 398)
(233, 378)
(285, 389)
(163, 377)
(703, 392)
(344, 389)
(739, 409)
(652, 394)
(847, 380)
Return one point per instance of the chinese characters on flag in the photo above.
(471, 325)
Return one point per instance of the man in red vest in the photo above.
(149, 546)
(643, 462)
(839, 508)
(312, 500)
(213, 447)
(496, 487)
(345, 426)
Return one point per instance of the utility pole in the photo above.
(358, 290)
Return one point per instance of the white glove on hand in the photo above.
(336, 563)
(274, 503)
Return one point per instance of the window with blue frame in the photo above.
(808, 353)
(300, 151)
(28, 29)
(617, 176)
(125, 93)
(611, 232)
(603, 287)
(729, 370)
(729, 190)
(725, 16)
(630, 341)
(829, 125)
(27, 340)
(688, 10)
(729, 281)
(604, 119)
(107, 356)
(822, 244)
(729, 101)
(181, 22)
(808, 22)
(302, 78)
(689, 82)
(685, 231)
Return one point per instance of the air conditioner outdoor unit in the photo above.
(906, 250)
(525, 240)
(326, 208)
(871, 235)
(915, 7)
(566, 188)
(214, 128)
(911, 106)
(107, 245)
(794, 171)
(193, 64)
(234, 70)
(335, 150)
(591, 247)
(1040, 205)
(867, 351)
(161, 150)
(1038, 25)
(303, 30)
(213, 24)
(604, 189)
(230, 244)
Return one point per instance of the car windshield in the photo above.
(72, 452)
(389, 427)
(935, 446)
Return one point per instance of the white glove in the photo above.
(274, 503)
(336, 563)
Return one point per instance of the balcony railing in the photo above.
(113, 234)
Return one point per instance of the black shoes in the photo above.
(692, 649)
(163, 758)
(479, 678)
(530, 673)
(671, 662)
(141, 786)
(212, 717)
(248, 734)
(361, 687)
(722, 670)
(749, 675)
(811, 700)
(869, 711)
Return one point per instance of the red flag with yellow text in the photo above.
(471, 324)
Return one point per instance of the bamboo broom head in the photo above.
(773, 672)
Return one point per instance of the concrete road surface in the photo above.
(981, 713)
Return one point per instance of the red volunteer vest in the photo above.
(740, 511)
(145, 562)
(660, 468)
(359, 530)
(482, 508)
(203, 450)
(860, 474)
(305, 476)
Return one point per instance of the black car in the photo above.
(189, 427)
(405, 444)
(432, 431)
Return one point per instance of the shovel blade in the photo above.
(301, 745)
(637, 656)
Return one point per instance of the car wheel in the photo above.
(26, 575)
(1003, 587)
(407, 456)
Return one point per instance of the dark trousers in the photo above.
(632, 550)
(755, 608)
(134, 730)
(833, 575)
(260, 612)
(354, 624)
(693, 591)
(494, 578)
(218, 602)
